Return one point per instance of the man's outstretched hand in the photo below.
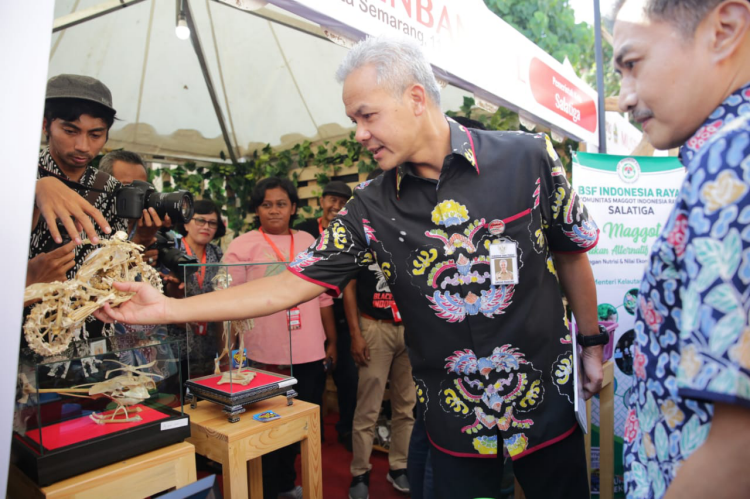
(56, 201)
(148, 306)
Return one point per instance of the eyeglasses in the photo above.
(200, 222)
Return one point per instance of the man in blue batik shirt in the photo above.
(685, 69)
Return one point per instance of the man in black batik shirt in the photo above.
(492, 362)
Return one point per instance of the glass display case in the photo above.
(237, 363)
(99, 402)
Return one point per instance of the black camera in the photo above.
(132, 199)
(172, 257)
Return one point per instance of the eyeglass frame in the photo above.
(200, 222)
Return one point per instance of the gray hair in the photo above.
(686, 15)
(399, 62)
(108, 161)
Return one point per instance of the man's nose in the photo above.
(362, 135)
(628, 98)
(82, 143)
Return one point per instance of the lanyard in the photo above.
(276, 250)
(320, 226)
(202, 274)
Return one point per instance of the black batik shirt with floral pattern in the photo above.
(489, 362)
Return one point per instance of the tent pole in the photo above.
(84, 15)
(600, 78)
(207, 77)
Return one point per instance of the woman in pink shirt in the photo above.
(275, 203)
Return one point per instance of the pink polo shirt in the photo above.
(268, 342)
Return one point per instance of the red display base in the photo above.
(81, 429)
(261, 379)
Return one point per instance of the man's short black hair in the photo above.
(72, 109)
(206, 207)
(259, 192)
(685, 14)
(108, 161)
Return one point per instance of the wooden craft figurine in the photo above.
(126, 390)
(64, 306)
(240, 376)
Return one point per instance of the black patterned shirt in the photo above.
(41, 240)
(492, 364)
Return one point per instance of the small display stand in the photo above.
(222, 369)
(99, 402)
(239, 447)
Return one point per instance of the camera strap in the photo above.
(100, 180)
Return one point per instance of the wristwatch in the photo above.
(594, 339)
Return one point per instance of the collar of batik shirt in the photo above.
(462, 144)
(733, 107)
(47, 163)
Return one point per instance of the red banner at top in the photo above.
(558, 94)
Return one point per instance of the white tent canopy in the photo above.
(273, 82)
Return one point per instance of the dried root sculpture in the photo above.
(64, 306)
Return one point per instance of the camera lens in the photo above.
(186, 207)
(178, 205)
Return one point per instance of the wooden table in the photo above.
(136, 478)
(239, 446)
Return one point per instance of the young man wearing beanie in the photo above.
(78, 114)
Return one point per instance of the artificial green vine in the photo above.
(230, 185)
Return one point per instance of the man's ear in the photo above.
(728, 28)
(44, 127)
(417, 98)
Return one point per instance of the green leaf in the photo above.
(661, 442)
(732, 253)
(640, 477)
(648, 414)
(723, 298)
(726, 332)
(693, 435)
(708, 252)
(691, 303)
(656, 478)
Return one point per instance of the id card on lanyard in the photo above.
(201, 327)
(293, 315)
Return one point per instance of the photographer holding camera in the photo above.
(128, 167)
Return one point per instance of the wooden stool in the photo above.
(606, 433)
(136, 478)
(239, 446)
